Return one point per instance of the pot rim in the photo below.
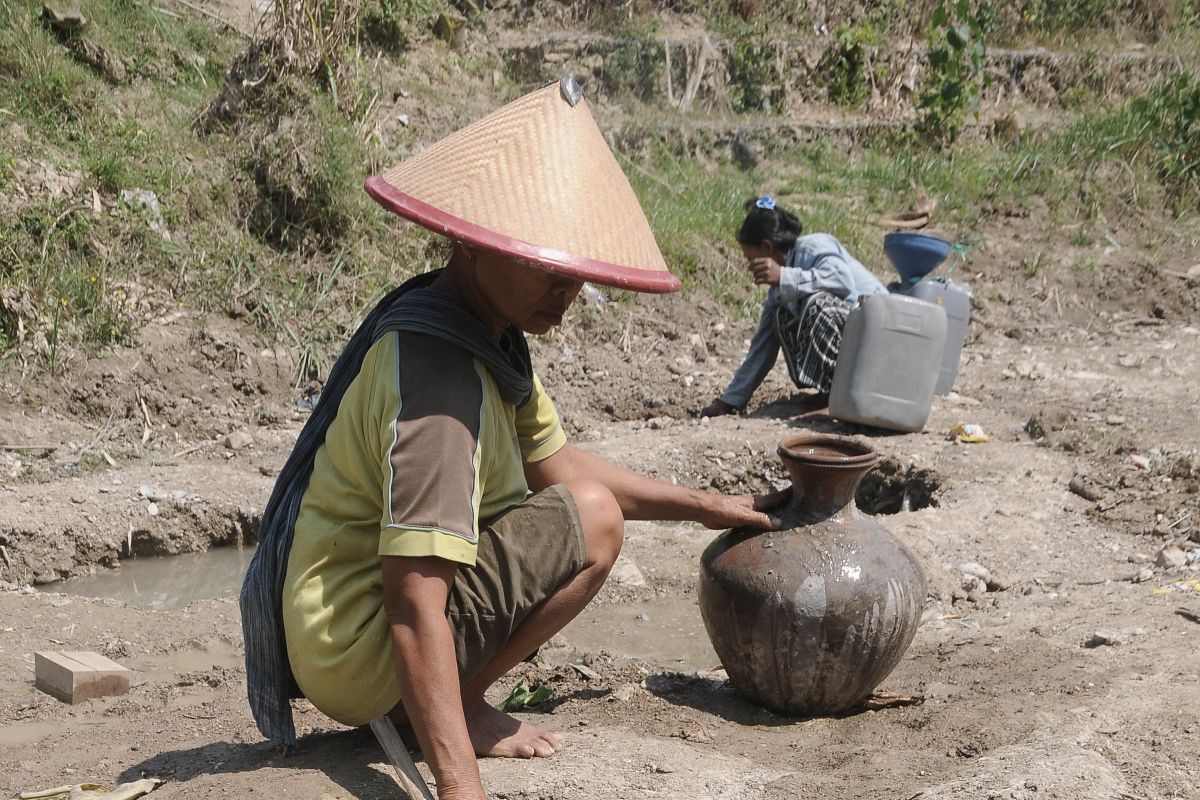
(835, 450)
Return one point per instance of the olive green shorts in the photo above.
(524, 555)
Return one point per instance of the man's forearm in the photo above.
(428, 676)
(641, 497)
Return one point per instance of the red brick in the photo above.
(75, 676)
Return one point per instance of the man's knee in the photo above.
(603, 522)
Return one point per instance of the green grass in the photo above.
(78, 282)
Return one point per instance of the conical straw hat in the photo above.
(534, 180)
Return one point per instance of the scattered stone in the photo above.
(151, 493)
(1101, 639)
(974, 568)
(1080, 485)
(998, 583)
(63, 18)
(152, 509)
(404, 120)
(146, 202)
(1139, 558)
(1115, 420)
(625, 572)
(1127, 361)
(662, 769)
(970, 584)
(238, 440)
(1143, 575)
(1141, 462)
(1171, 556)
(625, 693)
(586, 672)
(642, 616)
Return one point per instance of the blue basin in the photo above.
(914, 255)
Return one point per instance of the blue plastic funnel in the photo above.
(914, 255)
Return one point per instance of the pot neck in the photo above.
(825, 472)
(822, 490)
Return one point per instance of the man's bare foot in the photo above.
(498, 735)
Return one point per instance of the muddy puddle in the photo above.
(168, 582)
(667, 631)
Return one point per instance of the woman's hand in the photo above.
(737, 510)
(765, 270)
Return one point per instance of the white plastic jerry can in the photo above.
(889, 361)
(956, 299)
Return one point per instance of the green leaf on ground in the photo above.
(522, 697)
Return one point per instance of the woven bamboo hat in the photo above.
(534, 180)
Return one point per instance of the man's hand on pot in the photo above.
(736, 510)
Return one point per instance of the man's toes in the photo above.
(554, 739)
(543, 748)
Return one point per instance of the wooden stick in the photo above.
(406, 771)
(670, 89)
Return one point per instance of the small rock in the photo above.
(1144, 574)
(1102, 638)
(1079, 485)
(586, 672)
(1171, 556)
(1194, 271)
(1141, 462)
(404, 120)
(664, 769)
(642, 616)
(626, 573)
(1139, 558)
(625, 693)
(78, 500)
(1115, 420)
(152, 509)
(151, 493)
(970, 583)
(998, 583)
(1127, 361)
(238, 440)
(974, 568)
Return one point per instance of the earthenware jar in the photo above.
(810, 619)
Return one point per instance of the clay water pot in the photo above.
(808, 620)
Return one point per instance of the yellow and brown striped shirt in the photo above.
(422, 449)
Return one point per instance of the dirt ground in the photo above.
(1088, 391)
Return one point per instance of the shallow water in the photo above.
(166, 582)
(670, 632)
(666, 630)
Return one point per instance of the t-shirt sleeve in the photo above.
(539, 431)
(431, 461)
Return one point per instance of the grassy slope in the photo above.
(75, 281)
